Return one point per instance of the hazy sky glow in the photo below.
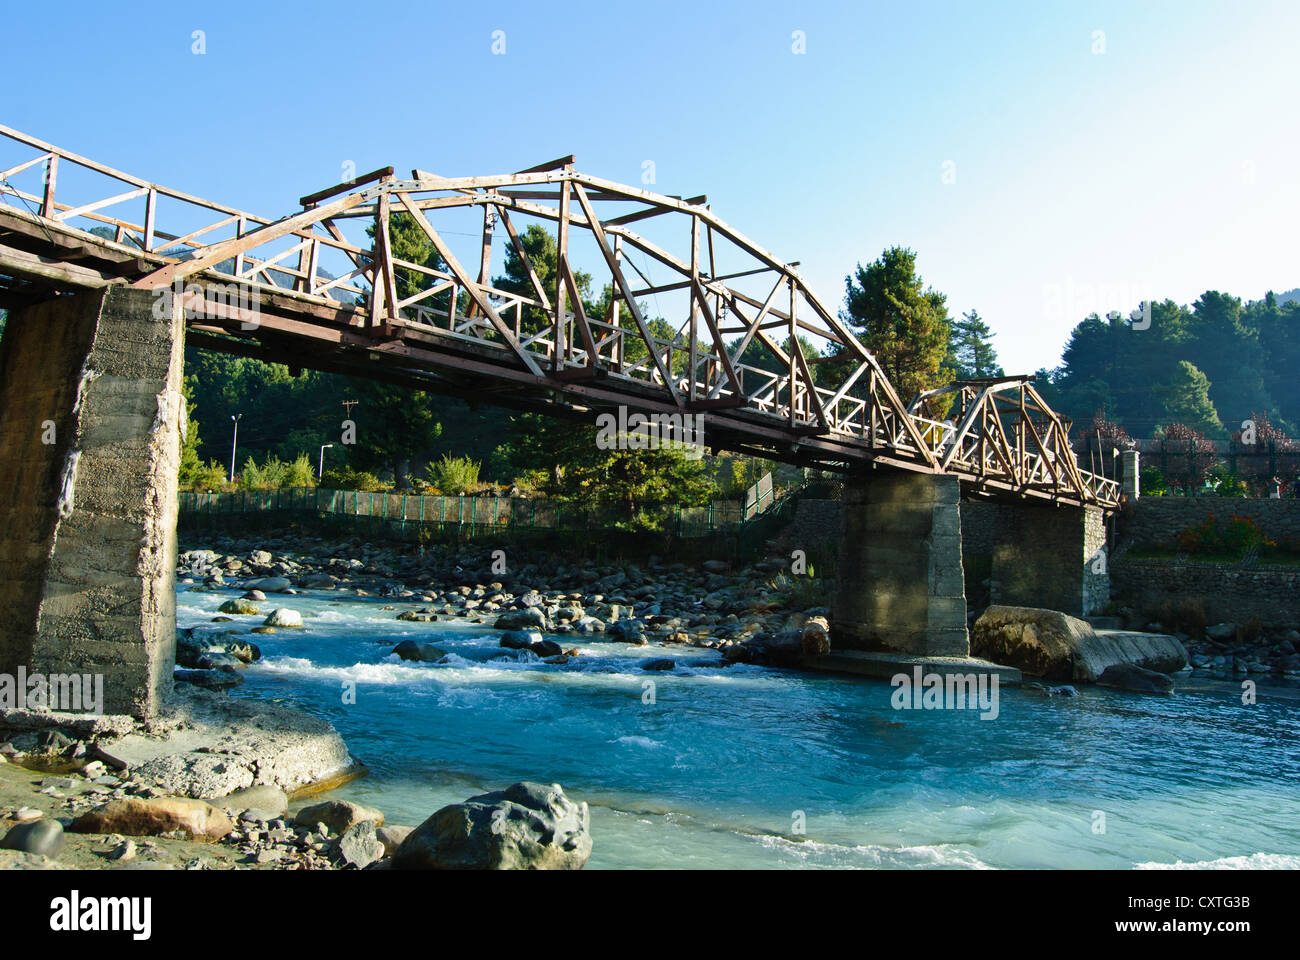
(1084, 180)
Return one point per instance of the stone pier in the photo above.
(1053, 557)
(89, 451)
(901, 587)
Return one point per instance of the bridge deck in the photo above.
(260, 287)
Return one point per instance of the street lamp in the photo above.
(233, 439)
(321, 470)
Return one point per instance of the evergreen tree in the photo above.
(970, 348)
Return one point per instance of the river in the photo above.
(751, 767)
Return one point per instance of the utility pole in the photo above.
(234, 437)
(321, 471)
(348, 405)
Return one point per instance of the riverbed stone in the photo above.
(527, 826)
(1055, 646)
(414, 650)
(359, 846)
(337, 815)
(263, 797)
(1129, 676)
(138, 817)
(240, 607)
(520, 639)
(41, 837)
(283, 617)
(392, 837)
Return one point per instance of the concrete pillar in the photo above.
(901, 585)
(89, 452)
(1052, 557)
(1129, 473)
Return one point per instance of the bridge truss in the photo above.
(329, 287)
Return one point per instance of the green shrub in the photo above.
(269, 476)
(300, 473)
(209, 478)
(454, 475)
(1232, 537)
(345, 478)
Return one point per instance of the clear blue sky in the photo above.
(1161, 167)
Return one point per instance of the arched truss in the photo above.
(331, 291)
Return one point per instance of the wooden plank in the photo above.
(361, 181)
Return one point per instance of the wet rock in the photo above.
(136, 817)
(659, 665)
(815, 639)
(269, 584)
(521, 639)
(413, 650)
(41, 837)
(1128, 676)
(1221, 631)
(417, 616)
(244, 651)
(547, 648)
(283, 617)
(337, 815)
(242, 607)
(359, 846)
(527, 826)
(530, 618)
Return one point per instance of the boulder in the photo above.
(546, 648)
(243, 650)
(392, 837)
(359, 846)
(337, 815)
(269, 584)
(1055, 646)
(1128, 676)
(659, 664)
(137, 817)
(527, 826)
(1221, 631)
(263, 798)
(208, 679)
(41, 837)
(530, 618)
(816, 637)
(254, 595)
(241, 606)
(283, 617)
(414, 650)
(520, 639)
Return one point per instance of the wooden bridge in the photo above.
(326, 287)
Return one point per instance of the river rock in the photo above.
(240, 606)
(283, 617)
(41, 837)
(1055, 646)
(546, 648)
(244, 651)
(269, 584)
(359, 846)
(815, 639)
(659, 665)
(264, 797)
(527, 826)
(136, 817)
(530, 618)
(1221, 631)
(392, 837)
(414, 650)
(254, 595)
(1129, 676)
(520, 639)
(337, 815)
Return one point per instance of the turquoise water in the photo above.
(717, 770)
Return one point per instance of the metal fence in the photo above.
(412, 514)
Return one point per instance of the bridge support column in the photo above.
(89, 453)
(1053, 557)
(901, 585)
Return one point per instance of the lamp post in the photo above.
(320, 472)
(234, 437)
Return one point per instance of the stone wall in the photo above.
(1225, 591)
(1053, 557)
(88, 546)
(1157, 521)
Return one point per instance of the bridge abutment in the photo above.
(1053, 557)
(89, 453)
(901, 585)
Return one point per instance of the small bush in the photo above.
(299, 473)
(269, 476)
(1185, 616)
(1231, 538)
(345, 478)
(454, 475)
(209, 478)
